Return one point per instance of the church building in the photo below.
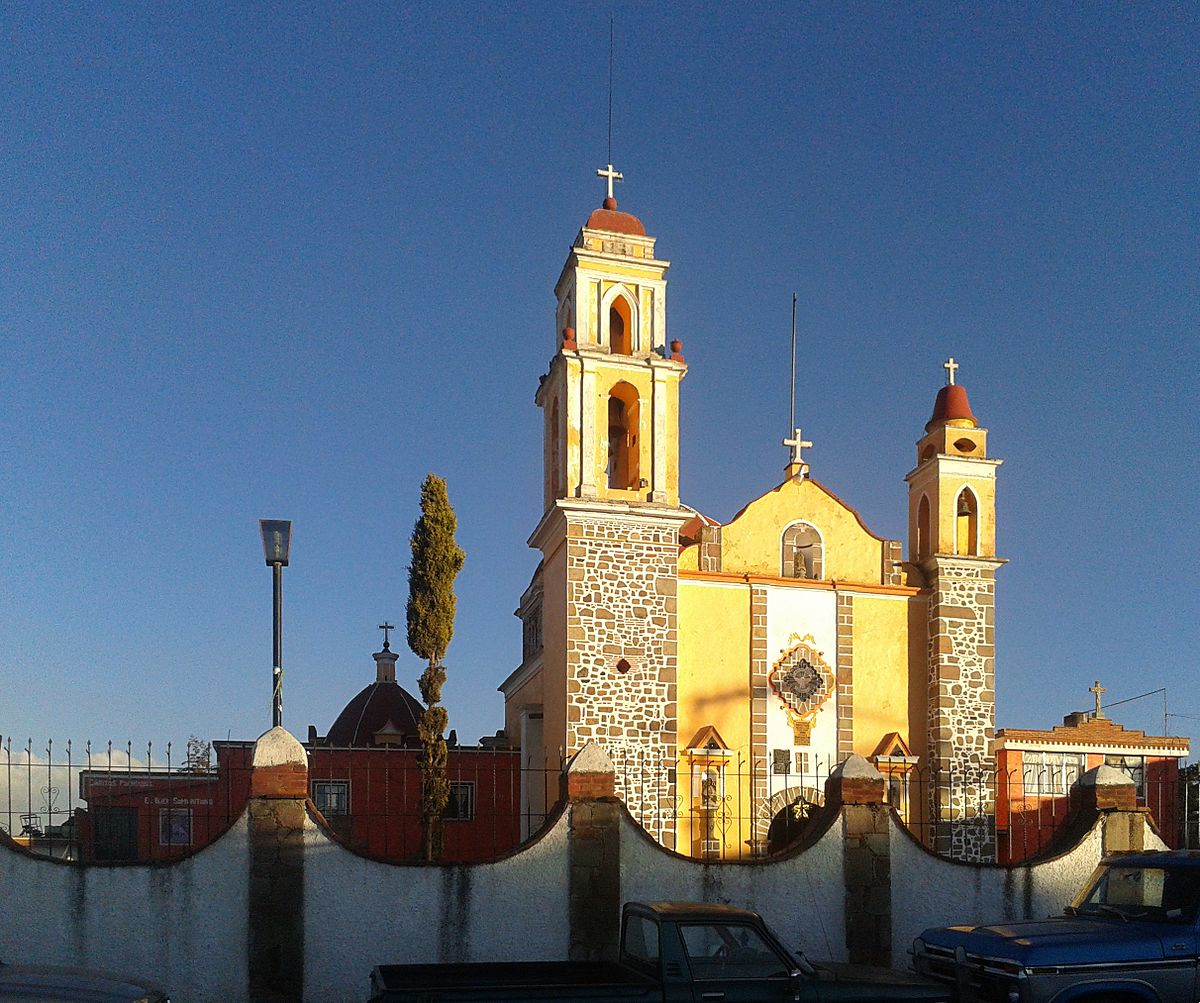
(726, 668)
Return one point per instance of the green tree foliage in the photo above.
(436, 562)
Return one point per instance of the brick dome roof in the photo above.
(609, 218)
(383, 706)
(951, 405)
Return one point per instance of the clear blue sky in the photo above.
(281, 262)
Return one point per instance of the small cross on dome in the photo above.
(386, 627)
(612, 176)
(950, 366)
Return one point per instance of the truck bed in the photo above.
(518, 980)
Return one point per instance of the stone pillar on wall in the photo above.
(860, 792)
(1112, 794)
(277, 813)
(962, 705)
(594, 854)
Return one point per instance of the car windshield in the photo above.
(1157, 893)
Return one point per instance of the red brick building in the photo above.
(364, 779)
(1036, 770)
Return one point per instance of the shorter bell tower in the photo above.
(952, 539)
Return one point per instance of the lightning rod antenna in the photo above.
(792, 420)
(611, 21)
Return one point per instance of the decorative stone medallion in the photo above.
(803, 681)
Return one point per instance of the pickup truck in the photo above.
(1130, 936)
(671, 952)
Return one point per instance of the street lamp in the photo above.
(276, 539)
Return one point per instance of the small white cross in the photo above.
(1098, 689)
(950, 366)
(798, 444)
(612, 176)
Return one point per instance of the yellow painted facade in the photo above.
(727, 667)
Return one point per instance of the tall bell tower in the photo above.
(609, 533)
(952, 538)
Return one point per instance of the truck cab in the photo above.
(1131, 934)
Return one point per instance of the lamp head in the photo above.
(276, 540)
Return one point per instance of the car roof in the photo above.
(81, 983)
(1155, 858)
(694, 910)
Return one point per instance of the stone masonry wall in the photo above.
(622, 643)
(962, 707)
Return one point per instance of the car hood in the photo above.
(864, 982)
(1051, 941)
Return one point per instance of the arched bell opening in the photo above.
(623, 416)
(966, 524)
(620, 327)
(923, 541)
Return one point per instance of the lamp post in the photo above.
(276, 539)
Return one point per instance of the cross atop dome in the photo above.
(386, 628)
(610, 202)
(950, 366)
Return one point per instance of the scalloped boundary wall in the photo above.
(277, 909)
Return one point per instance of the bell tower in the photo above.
(609, 532)
(952, 539)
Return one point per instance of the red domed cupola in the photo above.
(608, 217)
(951, 406)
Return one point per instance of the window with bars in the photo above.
(1046, 774)
(332, 797)
(1133, 767)
(461, 805)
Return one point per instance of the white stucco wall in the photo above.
(801, 898)
(181, 926)
(360, 913)
(184, 925)
(929, 891)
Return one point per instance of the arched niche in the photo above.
(802, 552)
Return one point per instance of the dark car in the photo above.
(671, 952)
(40, 983)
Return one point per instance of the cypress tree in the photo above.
(436, 561)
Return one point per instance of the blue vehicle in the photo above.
(1130, 936)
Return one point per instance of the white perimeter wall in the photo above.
(928, 891)
(802, 898)
(361, 913)
(182, 926)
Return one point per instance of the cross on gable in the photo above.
(611, 175)
(1098, 689)
(385, 627)
(798, 444)
(950, 366)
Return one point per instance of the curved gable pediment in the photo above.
(753, 541)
